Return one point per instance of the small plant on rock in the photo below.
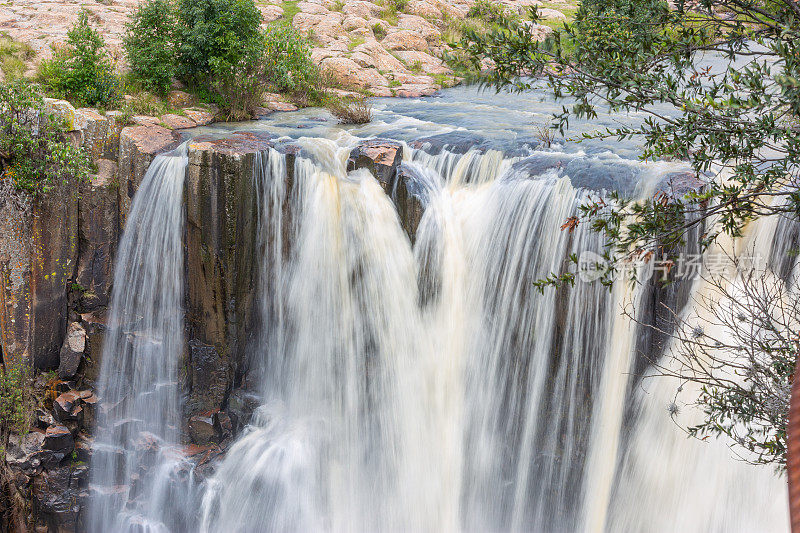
(350, 110)
(15, 399)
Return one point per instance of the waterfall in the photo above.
(136, 478)
(434, 388)
(418, 387)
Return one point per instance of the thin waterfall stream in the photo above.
(412, 384)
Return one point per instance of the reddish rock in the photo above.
(380, 157)
(67, 406)
(177, 122)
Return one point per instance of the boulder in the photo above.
(59, 439)
(421, 27)
(201, 429)
(428, 63)
(72, 351)
(67, 406)
(404, 40)
(348, 73)
(200, 116)
(676, 185)
(177, 122)
(380, 57)
(551, 14)
(23, 452)
(423, 9)
(411, 195)
(381, 157)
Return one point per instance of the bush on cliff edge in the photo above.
(35, 154)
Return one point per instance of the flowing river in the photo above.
(420, 382)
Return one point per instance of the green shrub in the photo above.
(488, 11)
(82, 71)
(350, 110)
(36, 155)
(150, 43)
(212, 32)
(287, 60)
(378, 31)
(218, 47)
(15, 399)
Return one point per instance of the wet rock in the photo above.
(201, 429)
(457, 142)
(221, 225)
(380, 157)
(95, 333)
(210, 377)
(58, 496)
(241, 406)
(411, 196)
(598, 174)
(223, 425)
(72, 351)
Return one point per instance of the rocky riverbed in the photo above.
(359, 44)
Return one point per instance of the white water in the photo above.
(424, 388)
(135, 480)
(473, 403)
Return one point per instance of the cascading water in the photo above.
(133, 480)
(415, 387)
(479, 404)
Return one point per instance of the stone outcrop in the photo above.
(221, 218)
(380, 157)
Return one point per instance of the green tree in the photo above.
(736, 118)
(213, 33)
(82, 70)
(150, 45)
